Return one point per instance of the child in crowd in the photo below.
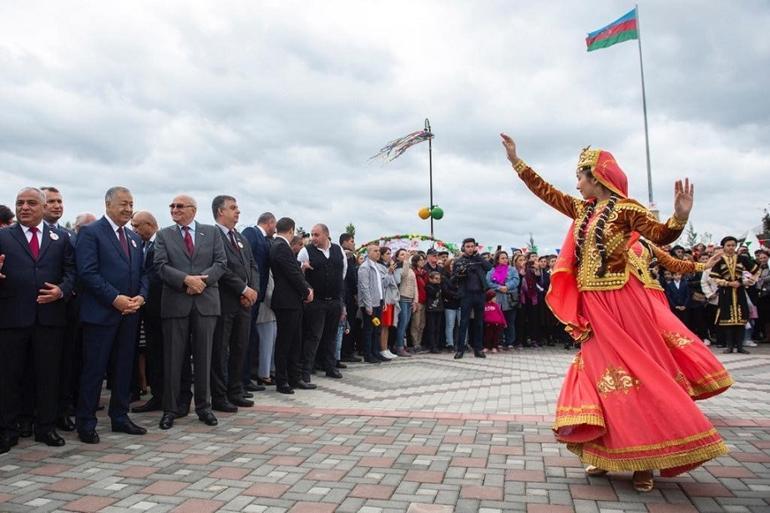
(434, 307)
(494, 323)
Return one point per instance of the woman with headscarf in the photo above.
(504, 280)
(626, 371)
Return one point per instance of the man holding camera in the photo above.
(470, 272)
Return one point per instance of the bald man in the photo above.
(190, 258)
(324, 265)
(146, 226)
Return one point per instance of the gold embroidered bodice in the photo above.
(627, 216)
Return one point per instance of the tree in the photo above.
(692, 236)
(706, 238)
(350, 229)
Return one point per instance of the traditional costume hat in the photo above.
(605, 169)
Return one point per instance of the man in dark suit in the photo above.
(37, 271)
(259, 238)
(146, 226)
(111, 272)
(190, 258)
(291, 291)
(69, 372)
(237, 295)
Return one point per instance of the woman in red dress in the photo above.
(627, 402)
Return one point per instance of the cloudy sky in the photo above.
(281, 104)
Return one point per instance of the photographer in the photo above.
(470, 272)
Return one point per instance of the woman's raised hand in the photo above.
(683, 198)
(510, 148)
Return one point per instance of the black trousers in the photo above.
(471, 302)
(231, 339)
(181, 336)
(41, 346)
(103, 347)
(370, 334)
(321, 319)
(71, 359)
(351, 341)
(434, 327)
(288, 346)
(251, 358)
(733, 336)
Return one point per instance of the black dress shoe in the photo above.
(65, 423)
(350, 359)
(151, 405)
(284, 389)
(743, 351)
(458, 355)
(128, 428)
(479, 354)
(224, 406)
(241, 401)
(334, 373)
(25, 428)
(4, 446)
(304, 385)
(248, 395)
(341, 365)
(51, 439)
(253, 387)
(166, 421)
(10, 441)
(208, 418)
(89, 437)
(372, 360)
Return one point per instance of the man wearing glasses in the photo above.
(190, 258)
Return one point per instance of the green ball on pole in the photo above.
(437, 213)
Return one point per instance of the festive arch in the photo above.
(410, 241)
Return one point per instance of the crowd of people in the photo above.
(209, 315)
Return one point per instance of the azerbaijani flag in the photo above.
(622, 29)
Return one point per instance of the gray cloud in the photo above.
(282, 104)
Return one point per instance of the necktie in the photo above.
(232, 241)
(123, 241)
(188, 242)
(34, 245)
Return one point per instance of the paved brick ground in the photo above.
(425, 434)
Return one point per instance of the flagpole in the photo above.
(644, 108)
(430, 175)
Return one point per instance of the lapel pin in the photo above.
(133, 243)
(240, 244)
(53, 235)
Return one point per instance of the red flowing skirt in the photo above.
(627, 402)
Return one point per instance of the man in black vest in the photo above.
(324, 264)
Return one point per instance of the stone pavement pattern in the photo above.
(425, 434)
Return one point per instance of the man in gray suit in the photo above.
(190, 259)
(237, 294)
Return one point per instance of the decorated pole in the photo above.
(430, 171)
